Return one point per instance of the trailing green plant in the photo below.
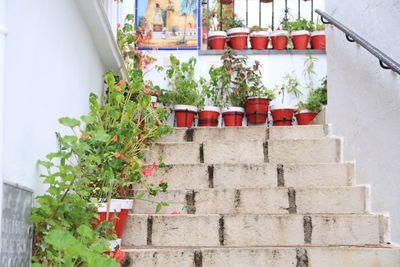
(319, 26)
(183, 88)
(316, 98)
(290, 86)
(236, 22)
(257, 28)
(299, 25)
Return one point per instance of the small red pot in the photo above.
(259, 40)
(153, 101)
(318, 40)
(225, 2)
(257, 110)
(279, 40)
(217, 40)
(233, 116)
(126, 206)
(208, 117)
(238, 38)
(184, 115)
(300, 39)
(115, 208)
(305, 117)
(282, 115)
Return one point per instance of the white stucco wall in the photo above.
(51, 66)
(364, 100)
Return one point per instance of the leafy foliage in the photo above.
(316, 98)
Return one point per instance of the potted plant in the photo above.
(259, 38)
(225, 2)
(183, 90)
(299, 31)
(237, 34)
(318, 38)
(282, 114)
(217, 40)
(280, 37)
(306, 112)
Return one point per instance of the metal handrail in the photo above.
(385, 61)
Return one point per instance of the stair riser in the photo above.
(259, 201)
(271, 257)
(202, 176)
(253, 230)
(301, 151)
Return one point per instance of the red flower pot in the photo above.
(279, 39)
(217, 40)
(318, 40)
(238, 38)
(259, 40)
(126, 206)
(115, 208)
(300, 39)
(305, 117)
(225, 2)
(282, 115)
(257, 110)
(184, 115)
(208, 117)
(233, 116)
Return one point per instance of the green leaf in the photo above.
(88, 119)
(60, 239)
(70, 122)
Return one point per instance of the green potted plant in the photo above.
(259, 38)
(318, 36)
(183, 90)
(282, 114)
(280, 37)
(307, 111)
(299, 31)
(237, 34)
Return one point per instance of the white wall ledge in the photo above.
(96, 19)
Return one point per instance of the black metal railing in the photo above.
(385, 61)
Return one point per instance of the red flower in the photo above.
(147, 172)
(85, 137)
(175, 212)
(228, 72)
(119, 26)
(153, 166)
(119, 255)
(121, 82)
(115, 138)
(146, 91)
(158, 93)
(118, 89)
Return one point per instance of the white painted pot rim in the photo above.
(279, 33)
(280, 106)
(258, 97)
(233, 109)
(153, 99)
(211, 108)
(259, 34)
(114, 207)
(238, 30)
(185, 107)
(126, 204)
(113, 244)
(316, 33)
(296, 33)
(217, 33)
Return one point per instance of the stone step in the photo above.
(301, 256)
(304, 151)
(261, 133)
(201, 176)
(275, 200)
(324, 150)
(254, 230)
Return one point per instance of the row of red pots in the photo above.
(237, 38)
(117, 214)
(256, 110)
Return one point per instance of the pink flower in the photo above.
(115, 138)
(118, 89)
(175, 212)
(119, 27)
(147, 172)
(121, 82)
(146, 91)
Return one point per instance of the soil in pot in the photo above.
(305, 118)
(318, 40)
(217, 40)
(282, 116)
(279, 40)
(238, 38)
(184, 115)
(209, 117)
(233, 116)
(300, 39)
(259, 40)
(257, 110)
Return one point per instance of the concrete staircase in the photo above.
(256, 196)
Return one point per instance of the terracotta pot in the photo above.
(305, 117)
(184, 115)
(126, 206)
(279, 40)
(300, 39)
(225, 2)
(217, 40)
(238, 38)
(233, 116)
(282, 115)
(318, 40)
(257, 110)
(259, 40)
(208, 117)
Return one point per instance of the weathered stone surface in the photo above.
(298, 132)
(174, 153)
(326, 150)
